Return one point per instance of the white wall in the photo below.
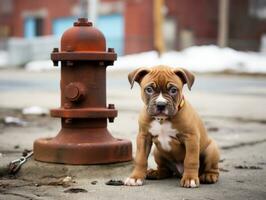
(22, 50)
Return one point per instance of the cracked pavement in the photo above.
(232, 107)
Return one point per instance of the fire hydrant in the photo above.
(84, 138)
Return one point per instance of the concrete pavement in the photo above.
(232, 108)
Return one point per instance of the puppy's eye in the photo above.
(149, 90)
(173, 91)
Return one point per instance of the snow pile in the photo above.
(3, 58)
(197, 58)
(35, 110)
(9, 120)
(40, 65)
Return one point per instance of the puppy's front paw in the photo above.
(209, 177)
(130, 181)
(189, 181)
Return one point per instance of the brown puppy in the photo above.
(169, 121)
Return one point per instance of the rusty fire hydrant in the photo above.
(84, 138)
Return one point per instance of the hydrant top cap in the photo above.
(82, 22)
(83, 37)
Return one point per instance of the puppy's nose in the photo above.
(160, 105)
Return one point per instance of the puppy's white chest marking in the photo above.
(164, 132)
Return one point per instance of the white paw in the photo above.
(189, 182)
(192, 183)
(133, 182)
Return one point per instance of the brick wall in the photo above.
(245, 30)
(51, 9)
(201, 17)
(198, 16)
(138, 26)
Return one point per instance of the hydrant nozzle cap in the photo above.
(82, 22)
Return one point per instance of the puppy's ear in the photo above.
(186, 76)
(137, 75)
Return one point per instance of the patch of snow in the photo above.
(40, 65)
(3, 59)
(197, 58)
(35, 110)
(9, 120)
(67, 179)
(263, 44)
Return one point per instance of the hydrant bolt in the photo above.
(74, 91)
(82, 22)
(111, 50)
(111, 119)
(111, 106)
(55, 63)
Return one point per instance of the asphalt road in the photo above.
(21, 80)
(232, 107)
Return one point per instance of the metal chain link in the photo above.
(15, 165)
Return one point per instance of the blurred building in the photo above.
(33, 18)
(129, 24)
(195, 22)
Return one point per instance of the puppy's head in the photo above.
(161, 88)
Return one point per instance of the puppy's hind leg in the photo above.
(163, 171)
(211, 157)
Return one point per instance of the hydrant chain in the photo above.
(15, 165)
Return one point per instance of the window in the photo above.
(257, 8)
(33, 27)
(39, 26)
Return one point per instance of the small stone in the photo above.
(223, 170)
(115, 182)
(213, 129)
(247, 167)
(67, 179)
(255, 167)
(75, 190)
(94, 182)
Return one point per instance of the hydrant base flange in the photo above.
(84, 149)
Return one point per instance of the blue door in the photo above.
(112, 27)
(29, 27)
(33, 27)
(60, 25)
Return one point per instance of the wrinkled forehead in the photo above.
(162, 79)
